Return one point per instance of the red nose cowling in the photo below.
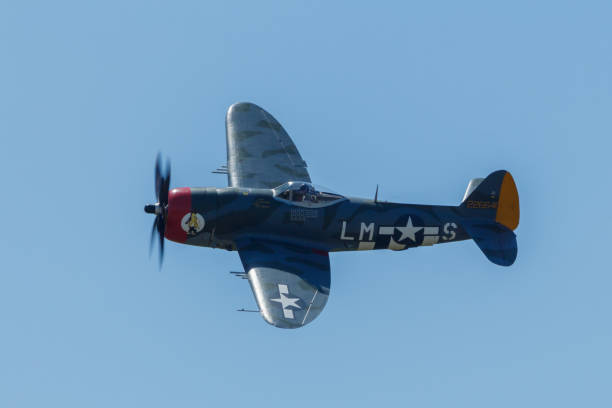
(179, 205)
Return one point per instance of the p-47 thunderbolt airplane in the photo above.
(284, 227)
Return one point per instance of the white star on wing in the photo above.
(286, 302)
(408, 231)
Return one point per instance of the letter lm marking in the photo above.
(366, 228)
(343, 233)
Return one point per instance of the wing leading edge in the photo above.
(260, 153)
(290, 282)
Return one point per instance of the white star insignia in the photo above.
(286, 301)
(408, 231)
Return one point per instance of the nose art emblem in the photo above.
(192, 223)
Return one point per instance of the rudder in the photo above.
(495, 198)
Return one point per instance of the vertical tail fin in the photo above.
(491, 210)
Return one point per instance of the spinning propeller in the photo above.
(160, 209)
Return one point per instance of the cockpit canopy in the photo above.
(303, 193)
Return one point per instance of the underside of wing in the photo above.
(260, 153)
(290, 283)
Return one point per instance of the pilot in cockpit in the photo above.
(306, 192)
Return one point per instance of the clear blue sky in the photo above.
(417, 98)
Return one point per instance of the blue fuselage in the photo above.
(342, 225)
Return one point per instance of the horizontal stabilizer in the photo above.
(497, 242)
(472, 185)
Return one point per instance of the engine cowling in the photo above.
(191, 215)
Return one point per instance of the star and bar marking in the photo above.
(286, 301)
(430, 234)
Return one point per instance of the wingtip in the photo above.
(242, 107)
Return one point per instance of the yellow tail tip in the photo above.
(508, 212)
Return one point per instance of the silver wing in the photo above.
(290, 282)
(260, 154)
